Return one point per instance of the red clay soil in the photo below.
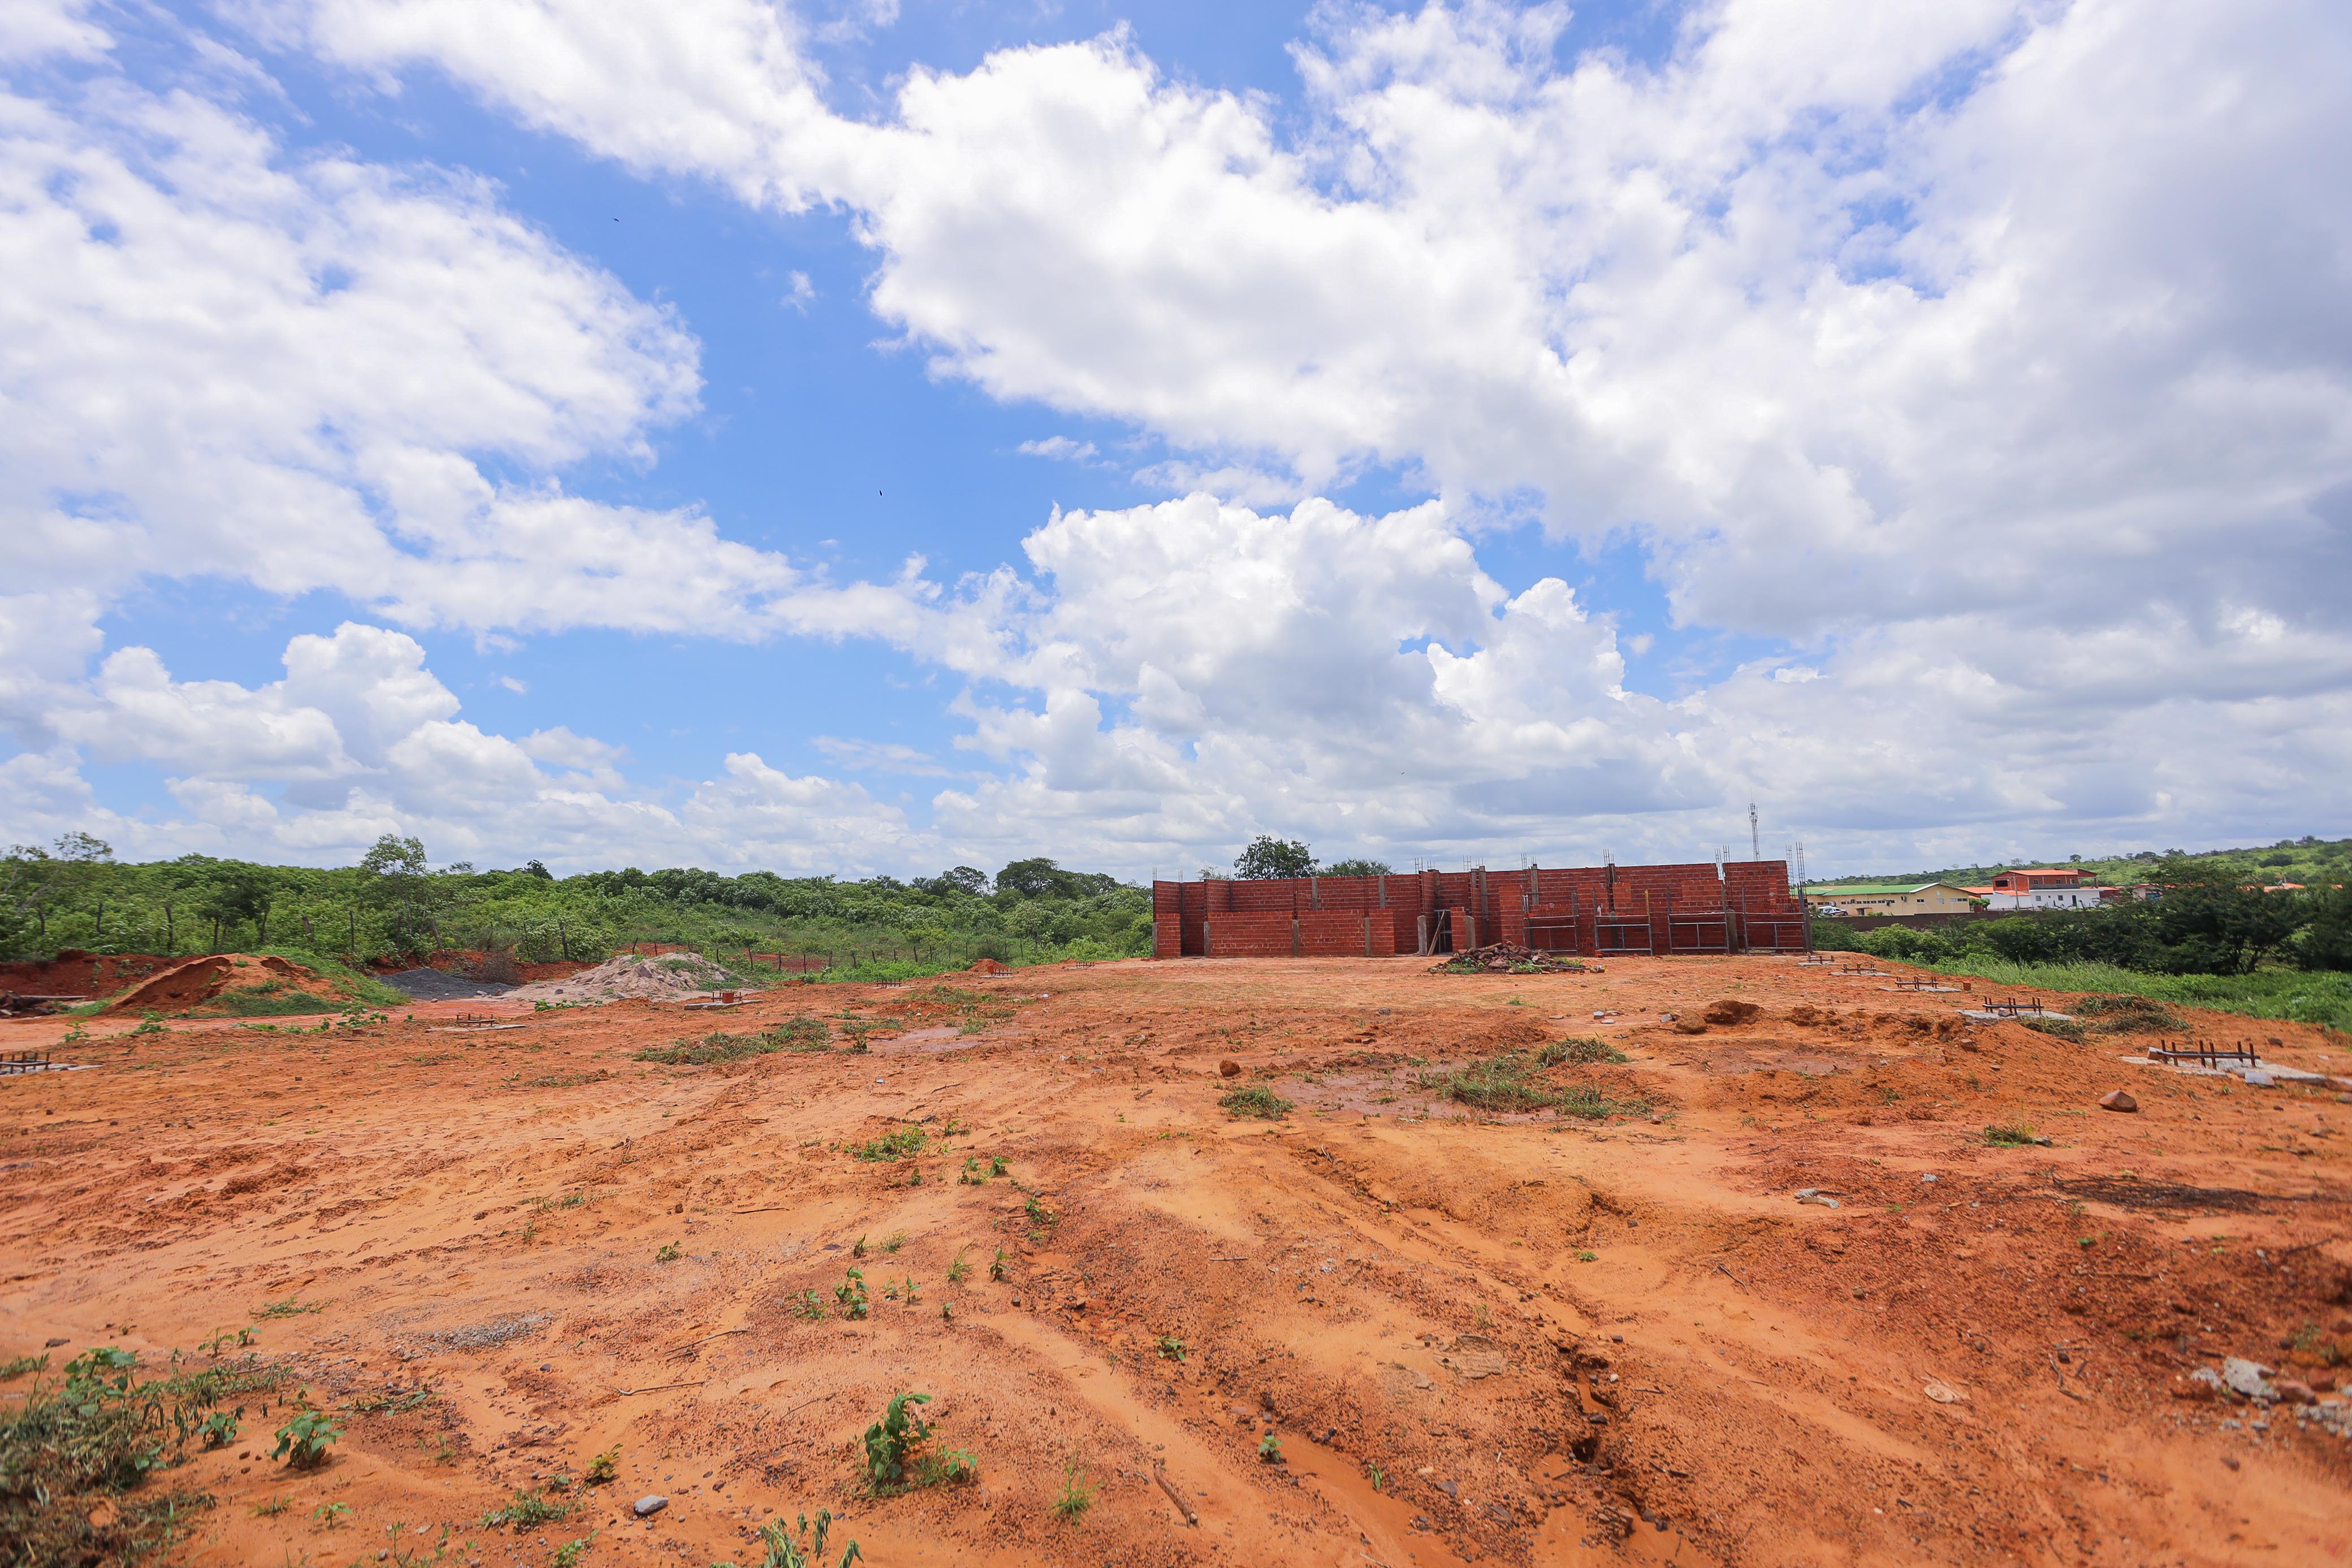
(77, 974)
(1524, 1339)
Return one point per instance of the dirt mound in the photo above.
(1729, 1012)
(1509, 958)
(198, 981)
(657, 977)
(988, 967)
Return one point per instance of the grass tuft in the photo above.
(1259, 1100)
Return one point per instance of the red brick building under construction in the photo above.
(1600, 911)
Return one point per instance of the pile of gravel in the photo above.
(440, 986)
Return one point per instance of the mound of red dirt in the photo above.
(988, 967)
(200, 980)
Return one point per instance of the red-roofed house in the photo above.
(2044, 887)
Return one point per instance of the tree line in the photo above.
(2206, 921)
(396, 904)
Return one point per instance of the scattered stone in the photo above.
(1816, 1197)
(1689, 1026)
(1229, 1070)
(649, 1505)
(2293, 1392)
(1929, 1176)
(1944, 1394)
(2118, 1100)
(2250, 1378)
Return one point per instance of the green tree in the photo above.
(2327, 940)
(1269, 857)
(238, 894)
(398, 872)
(2209, 922)
(1035, 878)
(1358, 867)
(28, 881)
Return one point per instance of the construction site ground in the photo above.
(503, 1250)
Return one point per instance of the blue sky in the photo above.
(1491, 432)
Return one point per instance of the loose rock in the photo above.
(2118, 1100)
(2250, 1378)
(649, 1505)
(1229, 1070)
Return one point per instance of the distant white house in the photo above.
(2044, 887)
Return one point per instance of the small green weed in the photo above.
(903, 1145)
(890, 1441)
(959, 1266)
(849, 1296)
(892, 1242)
(17, 1366)
(1269, 1449)
(804, 1548)
(569, 1554)
(808, 1305)
(525, 1510)
(328, 1515)
(1169, 1347)
(274, 1507)
(996, 1265)
(2012, 1135)
(606, 1465)
(303, 1442)
(1078, 1494)
(668, 1253)
(291, 1307)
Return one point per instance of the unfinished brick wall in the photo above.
(1595, 910)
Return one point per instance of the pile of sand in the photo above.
(665, 976)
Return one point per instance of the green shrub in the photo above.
(104, 1434)
(1581, 1051)
(1258, 1101)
